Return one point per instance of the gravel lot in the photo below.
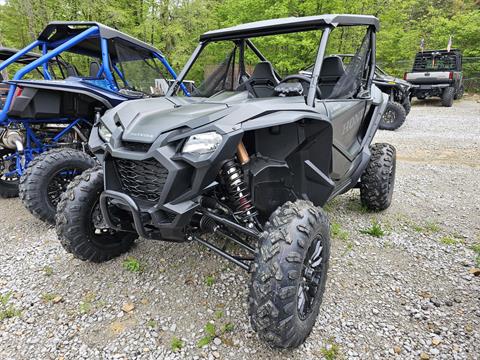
(410, 293)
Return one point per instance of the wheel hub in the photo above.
(389, 117)
(311, 278)
(59, 183)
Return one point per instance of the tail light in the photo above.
(405, 76)
(450, 76)
(18, 92)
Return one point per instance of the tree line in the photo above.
(174, 25)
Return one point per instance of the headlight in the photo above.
(204, 143)
(104, 133)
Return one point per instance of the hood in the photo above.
(144, 120)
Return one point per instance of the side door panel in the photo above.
(346, 117)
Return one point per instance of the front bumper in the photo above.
(157, 187)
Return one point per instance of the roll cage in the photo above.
(90, 39)
(81, 38)
(242, 35)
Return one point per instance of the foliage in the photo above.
(209, 280)
(476, 249)
(228, 327)
(7, 310)
(210, 329)
(210, 332)
(374, 230)
(173, 25)
(338, 232)
(176, 344)
(331, 351)
(133, 265)
(48, 270)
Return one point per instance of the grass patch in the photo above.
(210, 329)
(151, 323)
(338, 233)
(448, 240)
(204, 341)
(428, 227)
(228, 327)
(48, 297)
(356, 206)
(418, 228)
(210, 332)
(331, 351)
(86, 306)
(476, 249)
(432, 227)
(218, 314)
(176, 344)
(374, 230)
(7, 310)
(209, 280)
(48, 270)
(132, 265)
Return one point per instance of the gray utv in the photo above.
(251, 155)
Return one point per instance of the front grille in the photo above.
(142, 179)
(135, 146)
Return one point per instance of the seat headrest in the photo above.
(94, 68)
(264, 70)
(332, 66)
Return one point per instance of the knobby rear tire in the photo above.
(378, 179)
(393, 117)
(35, 183)
(447, 96)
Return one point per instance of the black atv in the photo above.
(398, 90)
(251, 156)
(399, 105)
(437, 73)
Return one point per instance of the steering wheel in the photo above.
(303, 79)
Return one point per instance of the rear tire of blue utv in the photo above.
(8, 185)
(80, 226)
(47, 177)
(378, 179)
(447, 96)
(289, 274)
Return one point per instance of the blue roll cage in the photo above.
(33, 144)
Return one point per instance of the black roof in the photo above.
(288, 25)
(61, 30)
(5, 53)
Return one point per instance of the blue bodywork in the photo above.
(102, 87)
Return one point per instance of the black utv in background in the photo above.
(399, 104)
(398, 90)
(250, 156)
(437, 73)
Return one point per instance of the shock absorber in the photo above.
(238, 193)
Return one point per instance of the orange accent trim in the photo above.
(242, 153)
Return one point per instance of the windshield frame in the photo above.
(202, 44)
(321, 49)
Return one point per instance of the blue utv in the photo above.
(100, 68)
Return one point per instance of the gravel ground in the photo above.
(410, 293)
